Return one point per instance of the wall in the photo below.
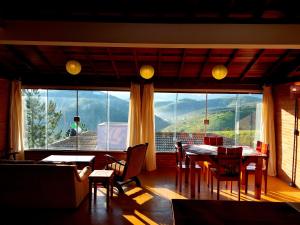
(4, 113)
(284, 125)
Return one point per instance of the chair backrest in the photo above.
(213, 140)
(264, 148)
(134, 160)
(179, 153)
(229, 162)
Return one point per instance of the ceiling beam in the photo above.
(161, 83)
(44, 58)
(136, 63)
(268, 74)
(282, 74)
(251, 63)
(202, 65)
(22, 58)
(113, 63)
(182, 63)
(141, 34)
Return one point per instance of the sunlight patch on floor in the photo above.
(141, 199)
(133, 191)
(166, 193)
(133, 219)
(145, 218)
(139, 219)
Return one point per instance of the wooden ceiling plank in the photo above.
(251, 63)
(276, 64)
(180, 70)
(207, 55)
(90, 60)
(21, 57)
(158, 62)
(136, 63)
(282, 74)
(44, 58)
(231, 57)
(113, 63)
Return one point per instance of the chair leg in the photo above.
(239, 189)
(180, 180)
(199, 178)
(137, 181)
(265, 179)
(218, 189)
(246, 181)
(211, 183)
(176, 178)
(119, 187)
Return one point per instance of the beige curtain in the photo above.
(268, 127)
(134, 116)
(148, 130)
(16, 120)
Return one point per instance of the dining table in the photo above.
(201, 152)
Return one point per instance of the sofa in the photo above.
(29, 184)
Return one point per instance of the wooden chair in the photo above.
(228, 167)
(250, 169)
(210, 140)
(127, 171)
(181, 167)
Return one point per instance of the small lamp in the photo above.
(73, 67)
(147, 71)
(219, 72)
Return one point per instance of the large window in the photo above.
(50, 124)
(181, 116)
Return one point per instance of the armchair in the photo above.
(126, 171)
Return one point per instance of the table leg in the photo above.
(186, 175)
(107, 193)
(192, 181)
(258, 177)
(95, 190)
(90, 192)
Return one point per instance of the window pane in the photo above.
(165, 121)
(249, 119)
(189, 117)
(118, 120)
(221, 110)
(35, 118)
(61, 129)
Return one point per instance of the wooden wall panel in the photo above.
(284, 125)
(4, 113)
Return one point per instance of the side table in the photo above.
(101, 176)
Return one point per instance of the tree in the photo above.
(39, 123)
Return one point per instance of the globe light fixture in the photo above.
(147, 71)
(219, 72)
(73, 67)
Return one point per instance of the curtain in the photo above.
(148, 130)
(134, 116)
(16, 120)
(268, 127)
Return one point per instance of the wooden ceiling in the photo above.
(248, 68)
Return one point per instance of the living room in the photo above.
(92, 113)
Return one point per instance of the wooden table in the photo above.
(85, 159)
(104, 177)
(213, 212)
(195, 153)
